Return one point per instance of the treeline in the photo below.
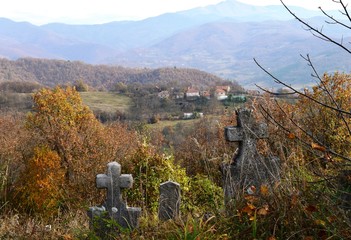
(101, 77)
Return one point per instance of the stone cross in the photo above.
(248, 167)
(247, 132)
(113, 181)
(169, 203)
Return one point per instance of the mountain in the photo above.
(228, 49)
(221, 39)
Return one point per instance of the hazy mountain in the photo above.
(221, 39)
(227, 49)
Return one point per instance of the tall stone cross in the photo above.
(113, 181)
(247, 132)
(248, 167)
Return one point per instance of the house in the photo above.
(188, 115)
(206, 94)
(193, 115)
(220, 94)
(192, 93)
(225, 88)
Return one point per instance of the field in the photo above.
(106, 101)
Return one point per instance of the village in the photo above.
(193, 95)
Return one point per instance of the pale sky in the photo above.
(102, 11)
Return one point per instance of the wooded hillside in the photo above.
(59, 72)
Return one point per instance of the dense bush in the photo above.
(150, 169)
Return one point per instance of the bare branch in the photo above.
(346, 12)
(274, 121)
(299, 92)
(331, 97)
(315, 31)
(335, 21)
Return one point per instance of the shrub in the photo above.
(39, 187)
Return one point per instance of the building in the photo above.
(192, 93)
(220, 94)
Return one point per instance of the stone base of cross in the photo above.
(114, 208)
(248, 170)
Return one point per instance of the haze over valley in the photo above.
(221, 39)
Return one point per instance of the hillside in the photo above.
(59, 72)
(221, 39)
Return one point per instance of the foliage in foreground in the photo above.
(304, 205)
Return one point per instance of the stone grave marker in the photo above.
(248, 167)
(169, 203)
(117, 210)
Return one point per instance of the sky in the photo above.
(101, 11)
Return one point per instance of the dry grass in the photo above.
(21, 226)
(106, 101)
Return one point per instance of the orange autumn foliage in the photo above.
(83, 146)
(39, 188)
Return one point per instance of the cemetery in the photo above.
(244, 176)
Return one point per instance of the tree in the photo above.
(331, 92)
(320, 123)
(65, 126)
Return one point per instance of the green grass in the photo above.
(106, 101)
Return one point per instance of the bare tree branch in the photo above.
(315, 74)
(315, 31)
(299, 92)
(274, 121)
(335, 21)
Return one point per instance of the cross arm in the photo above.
(103, 181)
(126, 181)
(234, 134)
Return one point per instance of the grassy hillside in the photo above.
(106, 101)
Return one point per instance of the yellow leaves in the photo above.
(263, 211)
(319, 222)
(318, 147)
(291, 136)
(252, 201)
(264, 190)
(41, 181)
(249, 209)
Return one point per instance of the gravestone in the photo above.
(114, 208)
(169, 203)
(248, 168)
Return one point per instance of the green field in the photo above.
(106, 101)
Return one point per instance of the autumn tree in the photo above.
(317, 159)
(67, 140)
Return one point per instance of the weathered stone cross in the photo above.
(113, 181)
(248, 167)
(247, 132)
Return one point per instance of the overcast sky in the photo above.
(102, 11)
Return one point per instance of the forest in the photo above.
(100, 77)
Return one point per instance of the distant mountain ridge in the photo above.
(221, 39)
